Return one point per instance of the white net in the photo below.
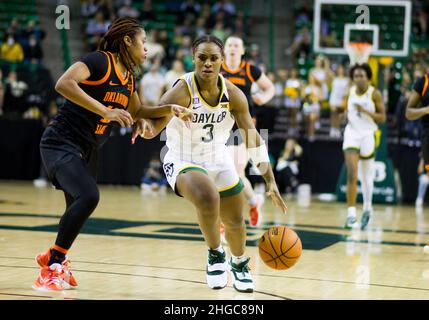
(359, 52)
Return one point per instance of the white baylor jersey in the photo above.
(358, 121)
(205, 141)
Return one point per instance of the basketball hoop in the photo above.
(359, 52)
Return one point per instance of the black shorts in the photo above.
(56, 151)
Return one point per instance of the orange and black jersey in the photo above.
(243, 77)
(80, 127)
(422, 88)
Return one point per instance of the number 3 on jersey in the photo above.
(209, 135)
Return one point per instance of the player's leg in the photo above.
(425, 154)
(351, 145)
(366, 168)
(197, 187)
(73, 176)
(231, 213)
(240, 158)
(351, 158)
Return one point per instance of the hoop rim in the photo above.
(359, 45)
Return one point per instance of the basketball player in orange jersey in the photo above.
(100, 94)
(198, 167)
(243, 74)
(418, 108)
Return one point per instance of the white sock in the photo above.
(423, 184)
(351, 212)
(253, 201)
(239, 259)
(220, 249)
(367, 182)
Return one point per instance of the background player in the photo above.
(99, 91)
(365, 108)
(243, 74)
(198, 168)
(418, 108)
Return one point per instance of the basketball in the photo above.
(280, 248)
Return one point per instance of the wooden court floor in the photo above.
(150, 247)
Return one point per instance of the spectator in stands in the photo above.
(322, 75)
(1, 93)
(200, 27)
(220, 31)
(292, 95)
(287, 167)
(89, 8)
(255, 55)
(311, 95)
(147, 13)
(176, 71)
(152, 86)
(128, 11)
(337, 103)
(15, 30)
(301, 45)
(35, 31)
(96, 28)
(33, 50)
(153, 180)
(11, 50)
(411, 130)
(224, 5)
(279, 86)
(155, 51)
(186, 59)
(190, 8)
(15, 94)
(240, 26)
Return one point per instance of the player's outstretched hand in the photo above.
(143, 128)
(182, 113)
(277, 199)
(121, 116)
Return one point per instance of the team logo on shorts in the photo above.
(169, 169)
(196, 100)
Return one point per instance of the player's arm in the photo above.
(177, 95)
(257, 149)
(68, 86)
(379, 115)
(413, 112)
(267, 90)
(139, 111)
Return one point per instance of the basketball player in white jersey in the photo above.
(199, 168)
(365, 108)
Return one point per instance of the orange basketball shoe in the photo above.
(68, 280)
(49, 278)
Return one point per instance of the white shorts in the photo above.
(364, 143)
(223, 174)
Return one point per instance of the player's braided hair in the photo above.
(207, 39)
(113, 41)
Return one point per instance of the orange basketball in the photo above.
(280, 247)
